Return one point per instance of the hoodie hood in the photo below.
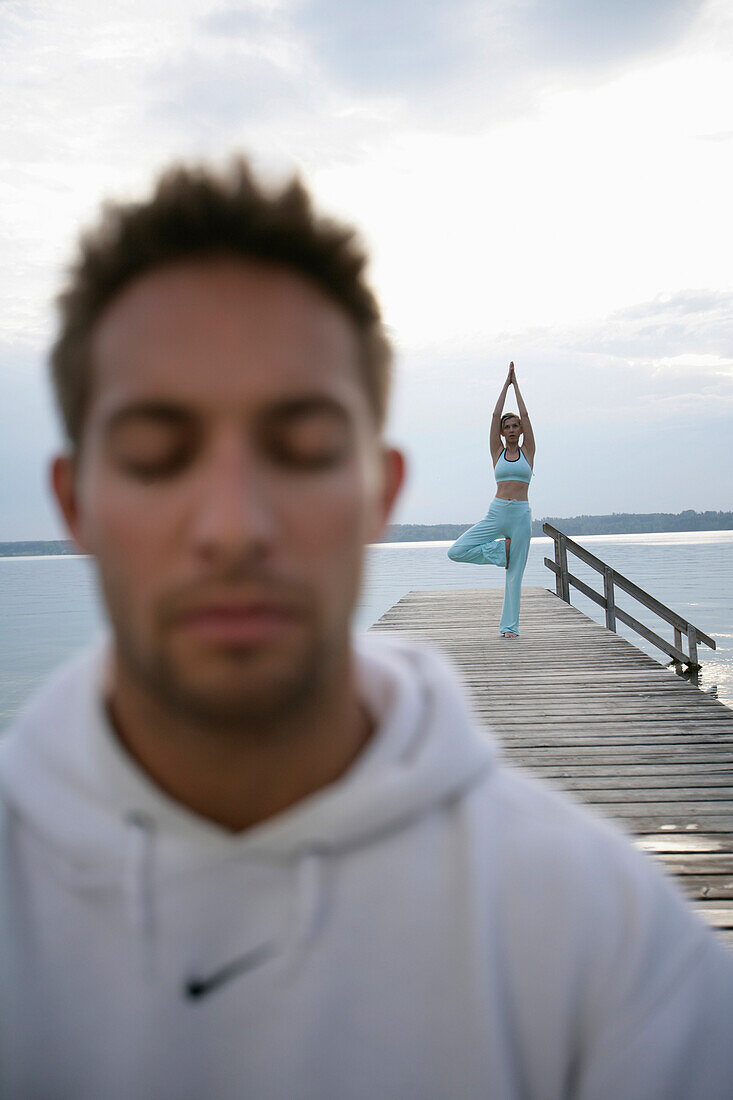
(385, 937)
(70, 789)
(67, 778)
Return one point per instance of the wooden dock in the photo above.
(588, 711)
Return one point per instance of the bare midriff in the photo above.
(512, 490)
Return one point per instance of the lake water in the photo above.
(48, 606)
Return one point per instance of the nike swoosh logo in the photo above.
(196, 988)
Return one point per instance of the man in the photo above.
(244, 855)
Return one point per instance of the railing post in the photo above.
(558, 581)
(610, 598)
(692, 643)
(563, 586)
(678, 638)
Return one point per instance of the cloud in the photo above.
(697, 323)
(235, 22)
(669, 357)
(726, 135)
(651, 382)
(386, 44)
(591, 32)
(494, 57)
(666, 358)
(205, 91)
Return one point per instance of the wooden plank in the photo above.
(711, 799)
(708, 786)
(671, 843)
(664, 809)
(641, 773)
(639, 823)
(584, 709)
(703, 889)
(717, 913)
(713, 863)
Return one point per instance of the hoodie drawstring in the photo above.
(307, 909)
(139, 885)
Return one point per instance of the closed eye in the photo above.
(149, 447)
(310, 437)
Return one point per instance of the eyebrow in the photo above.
(162, 412)
(169, 413)
(308, 405)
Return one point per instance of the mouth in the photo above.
(239, 624)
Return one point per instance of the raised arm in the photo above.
(528, 443)
(495, 435)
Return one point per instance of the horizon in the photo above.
(536, 519)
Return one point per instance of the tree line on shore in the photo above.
(37, 547)
(619, 523)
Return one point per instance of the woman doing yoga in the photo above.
(502, 537)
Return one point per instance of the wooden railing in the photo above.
(612, 580)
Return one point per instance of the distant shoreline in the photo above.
(619, 523)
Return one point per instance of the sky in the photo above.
(546, 181)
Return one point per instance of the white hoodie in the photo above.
(433, 925)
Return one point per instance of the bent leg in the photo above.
(520, 536)
(482, 544)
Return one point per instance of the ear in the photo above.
(63, 476)
(393, 476)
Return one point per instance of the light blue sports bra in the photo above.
(517, 469)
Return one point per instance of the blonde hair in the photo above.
(509, 416)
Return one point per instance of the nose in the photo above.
(233, 515)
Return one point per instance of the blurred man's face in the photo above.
(229, 476)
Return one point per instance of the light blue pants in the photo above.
(483, 544)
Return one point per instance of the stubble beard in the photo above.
(248, 698)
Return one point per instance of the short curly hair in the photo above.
(195, 212)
